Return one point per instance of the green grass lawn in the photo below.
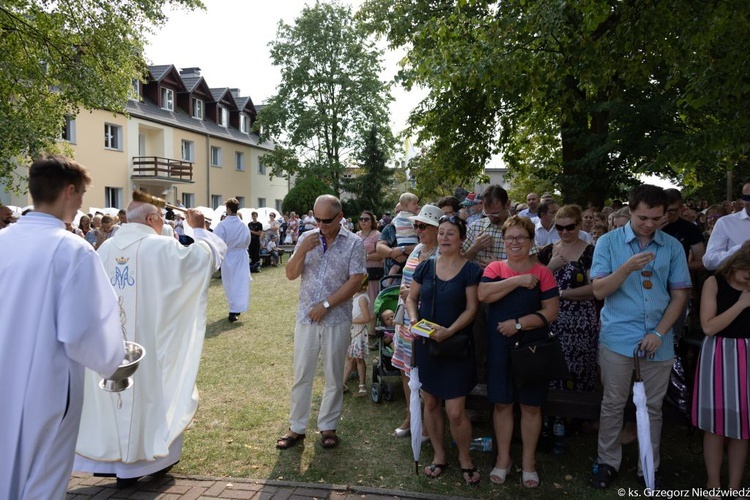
(244, 383)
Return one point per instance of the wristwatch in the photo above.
(326, 304)
(403, 250)
(518, 325)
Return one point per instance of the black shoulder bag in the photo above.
(537, 361)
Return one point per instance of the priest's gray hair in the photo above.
(139, 211)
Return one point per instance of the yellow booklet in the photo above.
(424, 328)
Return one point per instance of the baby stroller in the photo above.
(381, 366)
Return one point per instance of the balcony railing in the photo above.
(162, 168)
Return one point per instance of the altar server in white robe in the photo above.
(235, 270)
(163, 289)
(58, 314)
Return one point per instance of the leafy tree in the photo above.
(301, 197)
(369, 188)
(58, 57)
(330, 95)
(583, 93)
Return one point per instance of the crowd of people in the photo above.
(479, 274)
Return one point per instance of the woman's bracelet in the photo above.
(661, 337)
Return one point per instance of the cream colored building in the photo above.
(183, 141)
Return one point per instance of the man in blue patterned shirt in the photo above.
(331, 261)
(642, 275)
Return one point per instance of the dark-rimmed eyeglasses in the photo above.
(518, 239)
(420, 227)
(569, 227)
(495, 215)
(365, 219)
(326, 221)
(647, 284)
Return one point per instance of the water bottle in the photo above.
(481, 444)
(558, 430)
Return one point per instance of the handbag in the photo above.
(456, 347)
(538, 361)
(375, 273)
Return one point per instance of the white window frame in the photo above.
(241, 201)
(167, 99)
(113, 197)
(197, 108)
(68, 132)
(278, 205)
(135, 90)
(261, 167)
(244, 123)
(188, 150)
(188, 199)
(223, 116)
(112, 137)
(215, 156)
(216, 201)
(261, 202)
(239, 161)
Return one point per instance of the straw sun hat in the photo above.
(430, 214)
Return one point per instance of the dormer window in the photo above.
(135, 90)
(197, 109)
(167, 99)
(245, 123)
(223, 117)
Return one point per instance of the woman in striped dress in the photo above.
(721, 400)
(426, 225)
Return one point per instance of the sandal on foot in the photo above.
(498, 475)
(401, 433)
(468, 475)
(603, 476)
(362, 391)
(287, 441)
(329, 439)
(529, 479)
(434, 471)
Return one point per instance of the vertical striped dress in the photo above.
(721, 399)
(403, 339)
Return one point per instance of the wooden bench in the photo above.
(569, 404)
(265, 258)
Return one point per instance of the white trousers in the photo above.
(309, 342)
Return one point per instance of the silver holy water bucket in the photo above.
(122, 378)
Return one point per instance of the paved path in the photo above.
(179, 487)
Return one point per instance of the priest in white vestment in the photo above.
(235, 270)
(163, 289)
(58, 314)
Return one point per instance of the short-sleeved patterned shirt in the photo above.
(633, 309)
(326, 272)
(494, 252)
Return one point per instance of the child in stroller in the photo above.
(385, 304)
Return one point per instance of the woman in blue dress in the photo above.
(522, 300)
(444, 291)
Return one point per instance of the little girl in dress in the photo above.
(355, 356)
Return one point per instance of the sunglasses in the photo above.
(449, 218)
(569, 227)
(745, 197)
(326, 221)
(647, 284)
(365, 219)
(421, 227)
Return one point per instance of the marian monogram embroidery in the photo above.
(121, 277)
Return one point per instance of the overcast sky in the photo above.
(229, 42)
